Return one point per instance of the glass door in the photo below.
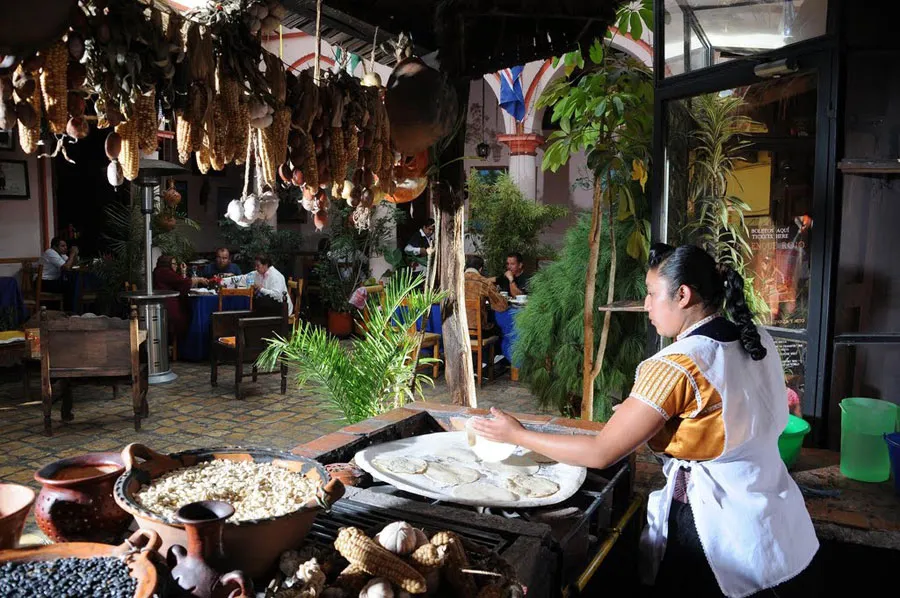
(740, 179)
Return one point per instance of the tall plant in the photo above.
(714, 218)
(504, 220)
(377, 372)
(606, 111)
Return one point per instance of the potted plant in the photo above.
(377, 372)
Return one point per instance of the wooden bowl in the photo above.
(255, 546)
(15, 502)
(139, 561)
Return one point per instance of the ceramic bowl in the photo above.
(15, 503)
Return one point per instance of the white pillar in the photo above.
(523, 160)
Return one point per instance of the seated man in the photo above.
(514, 280)
(56, 263)
(222, 265)
(478, 285)
(270, 287)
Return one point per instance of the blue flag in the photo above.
(512, 99)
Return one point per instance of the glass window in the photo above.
(721, 30)
(739, 178)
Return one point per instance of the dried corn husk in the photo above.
(274, 140)
(130, 155)
(240, 137)
(147, 122)
(184, 131)
(29, 136)
(203, 159)
(310, 167)
(275, 78)
(54, 88)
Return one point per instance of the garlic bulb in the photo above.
(377, 588)
(401, 538)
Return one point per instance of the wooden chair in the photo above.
(91, 350)
(236, 293)
(477, 340)
(32, 292)
(295, 290)
(240, 338)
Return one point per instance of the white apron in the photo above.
(750, 515)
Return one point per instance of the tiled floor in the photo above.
(186, 413)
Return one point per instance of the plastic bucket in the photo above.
(791, 439)
(893, 443)
(864, 454)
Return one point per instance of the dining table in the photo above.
(194, 346)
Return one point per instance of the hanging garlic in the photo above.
(398, 537)
(377, 588)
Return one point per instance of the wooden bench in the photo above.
(92, 350)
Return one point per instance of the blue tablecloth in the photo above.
(506, 320)
(82, 282)
(12, 308)
(195, 345)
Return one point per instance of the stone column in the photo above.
(523, 160)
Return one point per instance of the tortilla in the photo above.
(514, 465)
(484, 493)
(407, 465)
(532, 486)
(447, 474)
(458, 454)
(540, 459)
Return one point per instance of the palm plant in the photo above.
(377, 372)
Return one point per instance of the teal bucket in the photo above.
(791, 439)
(864, 453)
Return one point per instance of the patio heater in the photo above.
(150, 302)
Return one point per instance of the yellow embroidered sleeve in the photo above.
(665, 387)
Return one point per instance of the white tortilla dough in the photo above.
(483, 492)
(539, 458)
(408, 465)
(446, 474)
(532, 486)
(515, 464)
(459, 454)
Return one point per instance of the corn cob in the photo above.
(352, 579)
(54, 88)
(203, 161)
(147, 122)
(130, 155)
(428, 557)
(219, 136)
(274, 139)
(337, 153)
(351, 145)
(183, 135)
(29, 136)
(275, 78)
(310, 167)
(457, 560)
(241, 135)
(100, 106)
(366, 554)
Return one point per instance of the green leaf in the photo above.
(637, 29)
(596, 52)
(620, 107)
(635, 245)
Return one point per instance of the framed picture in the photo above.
(7, 140)
(14, 179)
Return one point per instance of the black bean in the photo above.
(98, 577)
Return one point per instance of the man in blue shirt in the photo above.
(222, 265)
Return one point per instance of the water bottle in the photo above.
(251, 278)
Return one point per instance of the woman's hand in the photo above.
(503, 428)
(183, 269)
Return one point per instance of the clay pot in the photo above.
(254, 547)
(421, 105)
(76, 502)
(407, 190)
(340, 323)
(198, 569)
(349, 474)
(15, 502)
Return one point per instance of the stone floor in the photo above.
(186, 413)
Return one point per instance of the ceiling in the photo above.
(471, 37)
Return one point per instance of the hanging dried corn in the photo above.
(130, 153)
(54, 88)
(147, 122)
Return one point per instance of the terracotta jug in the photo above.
(76, 502)
(198, 569)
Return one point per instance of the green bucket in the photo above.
(791, 439)
(864, 454)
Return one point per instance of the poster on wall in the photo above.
(14, 179)
(780, 266)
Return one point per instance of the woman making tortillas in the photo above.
(730, 520)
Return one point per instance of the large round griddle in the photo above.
(430, 447)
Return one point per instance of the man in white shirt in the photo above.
(55, 261)
(269, 283)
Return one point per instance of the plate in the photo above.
(435, 447)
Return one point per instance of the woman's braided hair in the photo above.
(717, 286)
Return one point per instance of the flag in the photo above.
(512, 100)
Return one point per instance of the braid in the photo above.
(737, 309)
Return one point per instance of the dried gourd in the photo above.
(54, 86)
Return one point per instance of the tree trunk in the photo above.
(457, 351)
(610, 297)
(590, 284)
